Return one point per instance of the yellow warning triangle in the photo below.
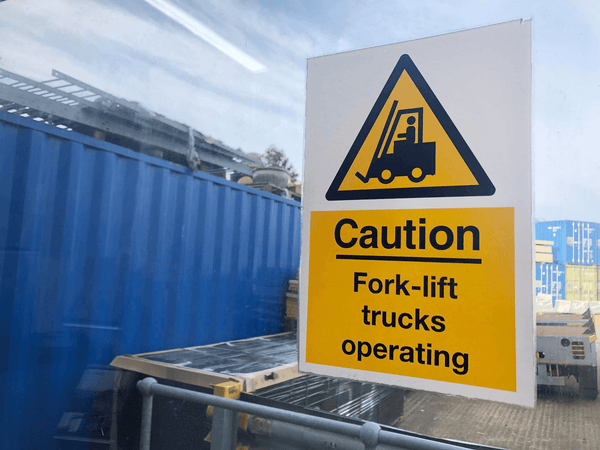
(409, 147)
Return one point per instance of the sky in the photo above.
(134, 51)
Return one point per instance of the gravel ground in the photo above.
(560, 420)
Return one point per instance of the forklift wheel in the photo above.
(416, 175)
(386, 176)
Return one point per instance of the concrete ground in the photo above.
(560, 420)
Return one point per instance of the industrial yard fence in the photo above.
(106, 251)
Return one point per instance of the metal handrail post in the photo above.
(224, 429)
(369, 435)
(147, 399)
(223, 435)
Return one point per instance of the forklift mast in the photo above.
(410, 156)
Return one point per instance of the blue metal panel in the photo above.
(575, 241)
(596, 243)
(538, 278)
(551, 280)
(104, 251)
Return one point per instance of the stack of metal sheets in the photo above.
(366, 401)
(235, 357)
(267, 368)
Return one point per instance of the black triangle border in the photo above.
(485, 186)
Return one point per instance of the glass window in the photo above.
(151, 157)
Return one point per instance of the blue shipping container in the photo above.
(575, 241)
(550, 279)
(597, 244)
(105, 251)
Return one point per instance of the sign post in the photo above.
(416, 263)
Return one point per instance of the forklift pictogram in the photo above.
(411, 157)
(389, 157)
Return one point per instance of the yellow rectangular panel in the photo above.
(420, 293)
(291, 308)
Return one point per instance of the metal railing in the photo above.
(288, 425)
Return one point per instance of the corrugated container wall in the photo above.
(576, 242)
(582, 283)
(598, 284)
(105, 251)
(597, 244)
(550, 280)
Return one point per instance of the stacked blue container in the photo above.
(576, 242)
(596, 243)
(550, 280)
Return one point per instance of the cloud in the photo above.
(134, 52)
(164, 68)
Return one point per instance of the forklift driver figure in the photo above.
(408, 138)
(410, 156)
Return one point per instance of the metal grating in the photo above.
(578, 350)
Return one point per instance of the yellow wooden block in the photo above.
(293, 285)
(543, 257)
(291, 308)
(228, 389)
